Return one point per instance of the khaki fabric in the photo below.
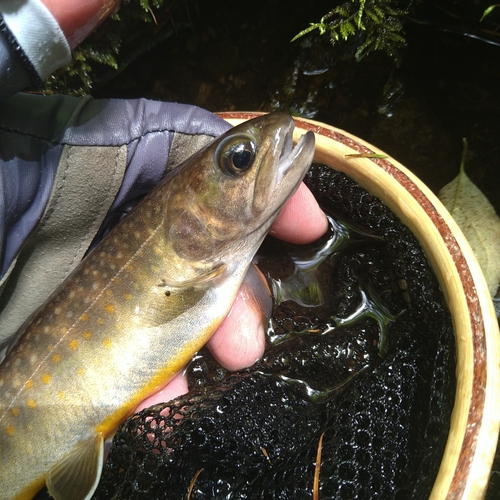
(87, 181)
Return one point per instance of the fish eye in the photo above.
(236, 155)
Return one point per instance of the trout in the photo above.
(139, 306)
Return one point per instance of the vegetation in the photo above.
(101, 51)
(380, 21)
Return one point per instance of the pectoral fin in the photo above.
(203, 279)
(76, 475)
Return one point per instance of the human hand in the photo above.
(240, 339)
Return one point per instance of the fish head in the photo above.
(227, 196)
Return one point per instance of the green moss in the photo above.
(380, 22)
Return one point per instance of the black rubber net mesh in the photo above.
(368, 370)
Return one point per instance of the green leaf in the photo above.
(488, 11)
(312, 27)
(477, 219)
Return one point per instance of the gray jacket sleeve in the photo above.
(69, 169)
(32, 45)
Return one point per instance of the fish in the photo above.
(139, 307)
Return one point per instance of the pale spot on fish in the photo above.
(31, 403)
(100, 321)
(73, 344)
(15, 412)
(71, 294)
(80, 372)
(46, 378)
(158, 251)
(60, 394)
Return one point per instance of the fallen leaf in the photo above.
(477, 219)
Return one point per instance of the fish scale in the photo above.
(138, 307)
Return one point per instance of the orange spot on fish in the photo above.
(127, 296)
(116, 280)
(46, 378)
(110, 309)
(73, 344)
(10, 430)
(31, 403)
(87, 334)
(107, 343)
(15, 412)
(84, 317)
(60, 394)
(56, 358)
(28, 384)
(100, 321)
(158, 251)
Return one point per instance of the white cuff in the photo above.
(37, 33)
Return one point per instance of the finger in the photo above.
(240, 340)
(78, 19)
(301, 220)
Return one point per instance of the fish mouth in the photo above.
(294, 161)
(279, 182)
